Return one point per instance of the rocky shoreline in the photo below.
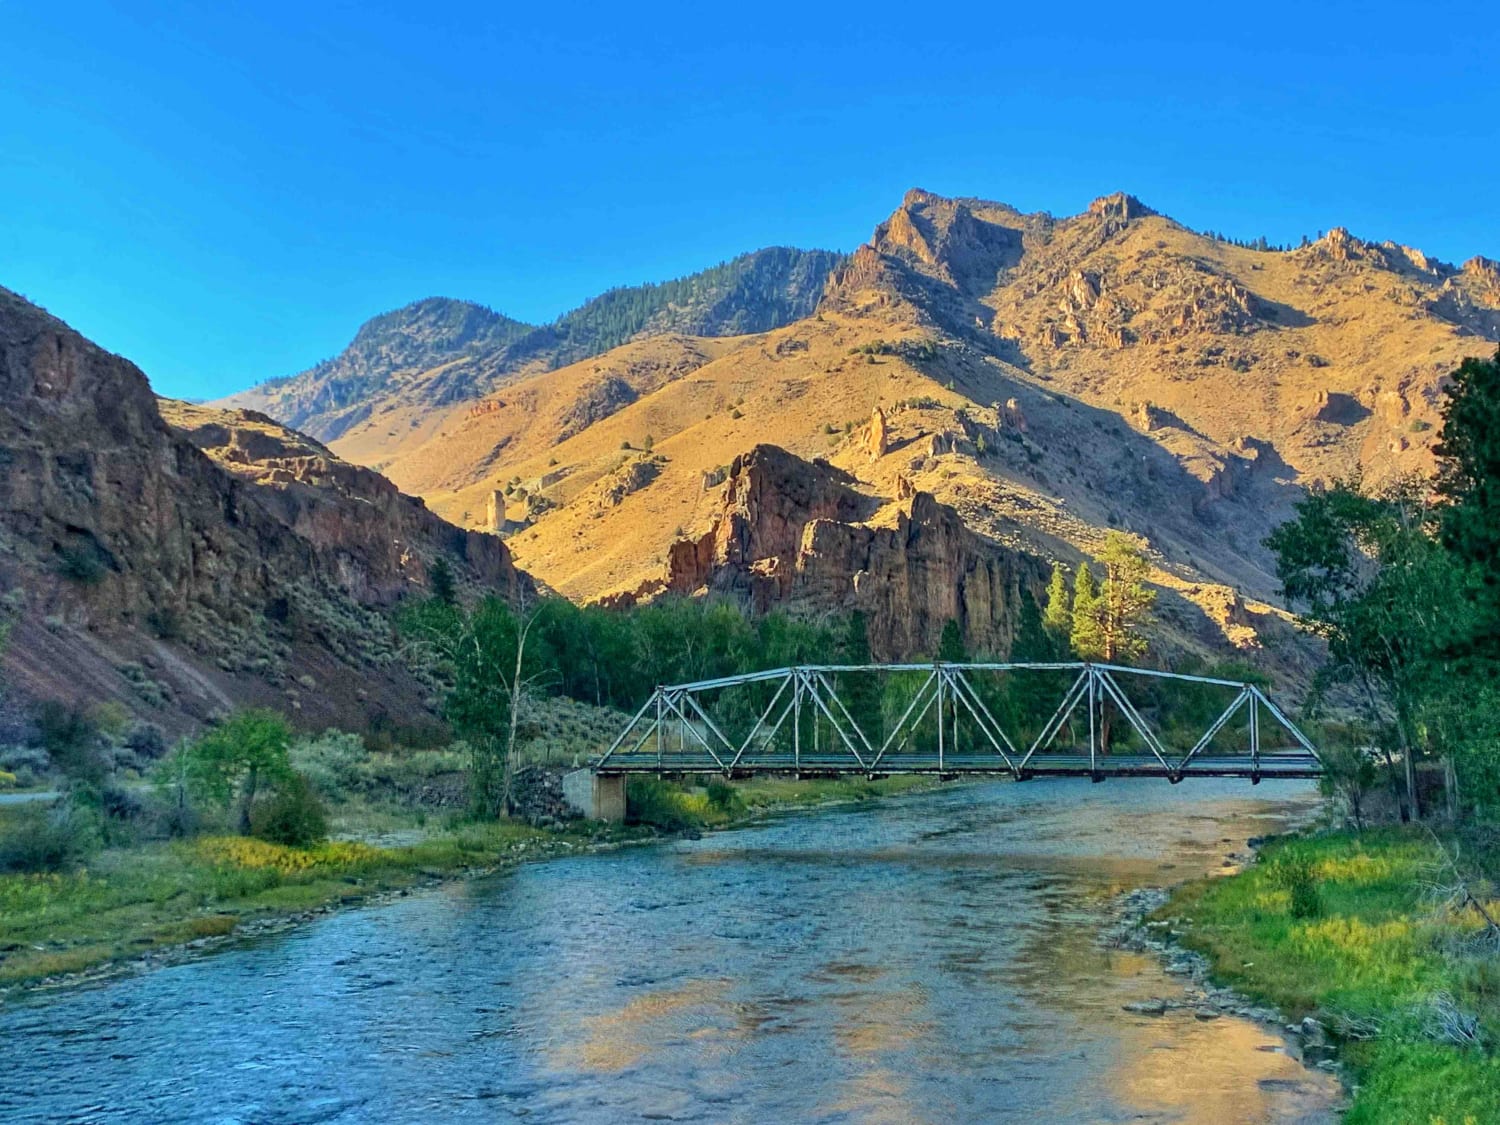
(1131, 928)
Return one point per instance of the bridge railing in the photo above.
(1018, 718)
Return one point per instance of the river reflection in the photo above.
(926, 959)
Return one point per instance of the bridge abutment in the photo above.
(596, 796)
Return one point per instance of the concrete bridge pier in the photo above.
(596, 796)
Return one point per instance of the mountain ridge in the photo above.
(445, 350)
(1048, 378)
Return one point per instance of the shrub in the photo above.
(82, 563)
(723, 796)
(71, 738)
(652, 801)
(335, 763)
(30, 759)
(1293, 873)
(41, 839)
(147, 741)
(293, 816)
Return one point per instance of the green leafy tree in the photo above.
(1469, 478)
(235, 760)
(1369, 575)
(484, 653)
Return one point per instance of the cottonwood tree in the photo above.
(235, 760)
(483, 652)
(1368, 574)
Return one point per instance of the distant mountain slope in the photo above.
(440, 351)
(1047, 378)
(183, 560)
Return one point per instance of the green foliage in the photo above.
(47, 838)
(660, 804)
(1470, 481)
(293, 816)
(1086, 633)
(247, 750)
(72, 737)
(766, 288)
(440, 578)
(951, 644)
(724, 797)
(1123, 610)
(336, 764)
(1375, 955)
(1291, 871)
(83, 562)
(1057, 618)
(1369, 574)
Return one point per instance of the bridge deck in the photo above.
(1041, 765)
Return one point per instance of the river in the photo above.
(928, 958)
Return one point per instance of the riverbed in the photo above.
(928, 958)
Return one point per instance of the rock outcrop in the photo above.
(794, 535)
(380, 542)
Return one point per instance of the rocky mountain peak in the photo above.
(1119, 205)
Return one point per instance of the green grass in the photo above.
(131, 900)
(1375, 949)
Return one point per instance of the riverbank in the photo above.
(139, 907)
(1340, 932)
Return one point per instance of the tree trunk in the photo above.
(247, 799)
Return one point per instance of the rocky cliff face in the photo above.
(131, 557)
(381, 542)
(797, 535)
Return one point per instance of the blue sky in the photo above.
(223, 193)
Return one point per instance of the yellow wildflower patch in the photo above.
(260, 855)
(1357, 869)
(1352, 938)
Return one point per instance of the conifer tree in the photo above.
(1125, 600)
(951, 645)
(1057, 618)
(1086, 637)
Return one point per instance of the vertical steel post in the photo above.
(1093, 738)
(941, 680)
(797, 719)
(1255, 736)
(658, 727)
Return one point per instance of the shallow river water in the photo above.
(930, 958)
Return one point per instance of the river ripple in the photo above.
(931, 958)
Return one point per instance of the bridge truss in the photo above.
(1026, 720)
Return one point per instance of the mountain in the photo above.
(182, 560)
(440, 351)
(1045, 378)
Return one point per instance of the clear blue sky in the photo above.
(224, 195)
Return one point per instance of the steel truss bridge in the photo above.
(1025, 720)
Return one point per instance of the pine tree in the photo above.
(1125, 600)
(1057, 618)
(1087, 633)
(951, 646)
(1034, 642)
